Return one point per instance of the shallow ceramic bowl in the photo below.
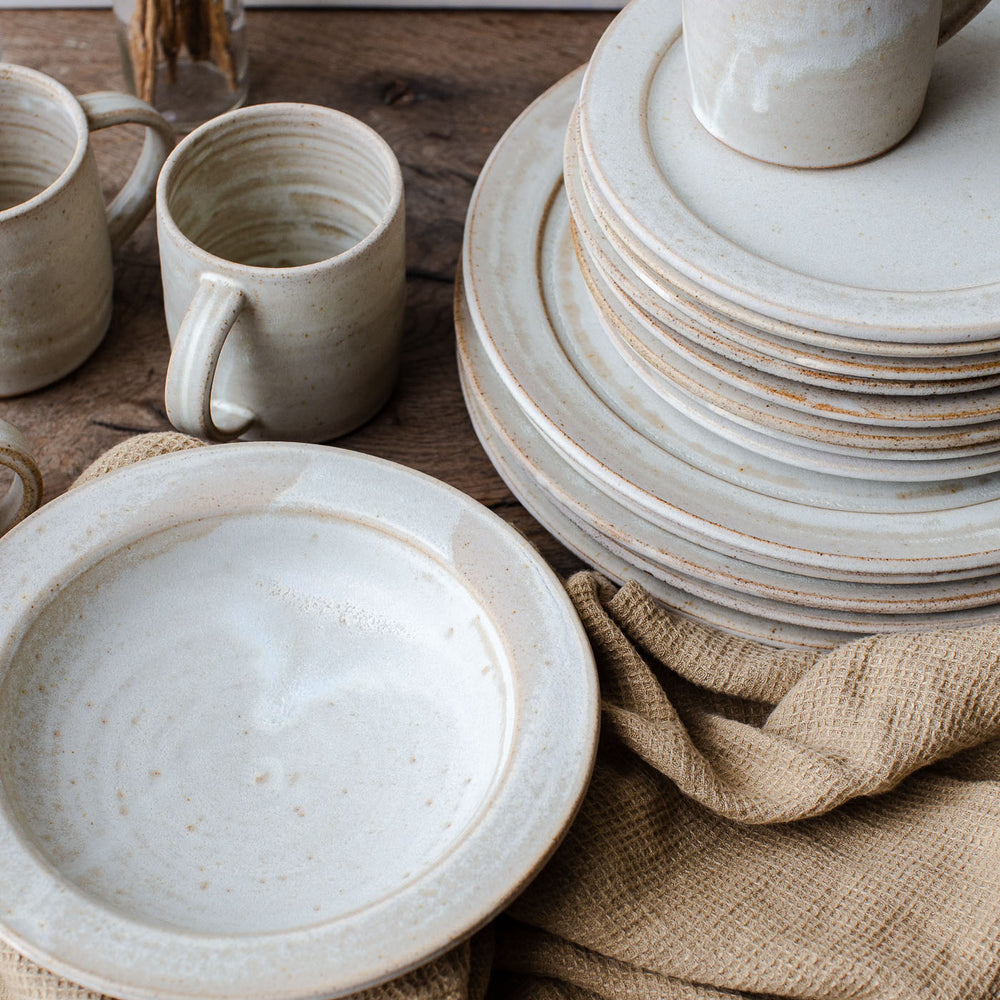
(278, 721)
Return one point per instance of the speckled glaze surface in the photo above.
(279, 721)
(530, 304)
(56, 235)
(820, 83)
(850, 366)
(819, 250)
(282, 246)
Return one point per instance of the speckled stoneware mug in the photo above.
(282, 248)
(56, 235)
(24, 493)
(814, 83)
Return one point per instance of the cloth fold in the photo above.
(761, 823)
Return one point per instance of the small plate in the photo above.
(900, 248)
(796, 437)
(278, 722)
(702, 306)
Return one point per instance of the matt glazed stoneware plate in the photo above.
(900, 248)
(277, 721)
(534, 315)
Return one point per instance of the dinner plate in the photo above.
(722, 585)
(278, 721)
(900, 248)
(531, 306)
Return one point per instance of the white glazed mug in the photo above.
(814, 83)
(282, 248)
(24, 494)
(56, 235)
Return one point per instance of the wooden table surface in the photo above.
(441, 87)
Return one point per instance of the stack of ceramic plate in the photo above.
(756, 297)
(666, 376)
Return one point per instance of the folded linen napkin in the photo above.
(761, 823)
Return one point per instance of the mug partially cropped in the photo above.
(56, 235)
(23, 495)
(282, 250)
(814, 83)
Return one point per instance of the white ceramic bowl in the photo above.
(276, 721)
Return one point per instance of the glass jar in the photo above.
(188, 58)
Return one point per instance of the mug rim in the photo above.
(164, 216)
(52, 88)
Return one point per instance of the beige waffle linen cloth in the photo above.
(760, 823)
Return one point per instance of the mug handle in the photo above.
(131, 205)
(956, 14)
(194, 358)
(24, 494)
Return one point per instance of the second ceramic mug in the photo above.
(281, 230)
(24, 494)
(56, 237)
(814, 83)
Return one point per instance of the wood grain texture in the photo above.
(441, 87)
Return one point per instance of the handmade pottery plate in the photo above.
(532, 309)
(276, 721)
(611, 559)
(816, 248)
(675, 314)
(721, 585)
(702, 306)
(800, 438)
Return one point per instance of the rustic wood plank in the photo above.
(441, 87)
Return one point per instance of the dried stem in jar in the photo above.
(164, 28)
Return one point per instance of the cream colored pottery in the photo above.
(25, 491)
(56, 235)
(702, 306)
(728, 389)
(278, 722)
(282, 246)
(859, 371)
(900, 248)
(532, 309)
(812, 83)
(722, 582)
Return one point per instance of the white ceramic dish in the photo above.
(819, 249)
(278, 721)
(530, 304)
(722, 583)
(746, 346)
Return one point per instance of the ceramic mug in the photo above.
(282, 249)
(56, 236)
(814, 83)
(25, 492)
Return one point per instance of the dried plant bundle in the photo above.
(162, 29)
